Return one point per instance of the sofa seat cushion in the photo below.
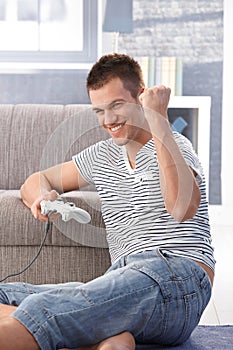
(72, 232)
(19, 227)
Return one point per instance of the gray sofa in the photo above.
(32, 138)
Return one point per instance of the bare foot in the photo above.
(123, 341)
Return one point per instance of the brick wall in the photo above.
(193, 31)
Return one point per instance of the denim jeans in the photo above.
(157, 297)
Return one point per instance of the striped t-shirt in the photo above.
(133, 207)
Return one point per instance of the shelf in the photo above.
(195, 110)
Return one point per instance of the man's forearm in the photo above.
(35, 186)
(178, 185)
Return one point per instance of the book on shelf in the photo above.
(151, 71)
(158, 71)
(144, 63)
(162, 71)
(179, 77)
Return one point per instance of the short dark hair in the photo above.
(116, 65)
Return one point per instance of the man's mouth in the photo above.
(116, 127)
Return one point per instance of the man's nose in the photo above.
(109, 116)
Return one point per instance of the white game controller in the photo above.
(68, 210)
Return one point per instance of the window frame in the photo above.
(87, 55)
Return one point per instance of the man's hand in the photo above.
(36, 209)
(156, 99)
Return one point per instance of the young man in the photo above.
(154, 205)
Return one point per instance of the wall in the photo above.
(193, 31)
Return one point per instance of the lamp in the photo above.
(118, 18)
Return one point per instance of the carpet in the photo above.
(202, 338)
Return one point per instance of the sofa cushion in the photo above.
(5, 140)
(35, 137)
(73, 233)
(18, 226)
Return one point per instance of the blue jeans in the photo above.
(157, 297)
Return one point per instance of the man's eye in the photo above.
(117, 105)
(99, 112)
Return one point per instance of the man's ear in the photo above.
(141, 90)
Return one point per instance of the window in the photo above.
(48, 30)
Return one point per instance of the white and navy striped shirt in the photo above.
(133, 207)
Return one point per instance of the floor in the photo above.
(220, 309)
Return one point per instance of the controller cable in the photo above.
(47, 227)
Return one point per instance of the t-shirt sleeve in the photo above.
(189, 155)
(85, 161)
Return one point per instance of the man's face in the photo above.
(118, 112)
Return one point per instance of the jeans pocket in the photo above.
(191, 317)
(204, 286)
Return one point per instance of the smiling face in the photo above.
(119, 113)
